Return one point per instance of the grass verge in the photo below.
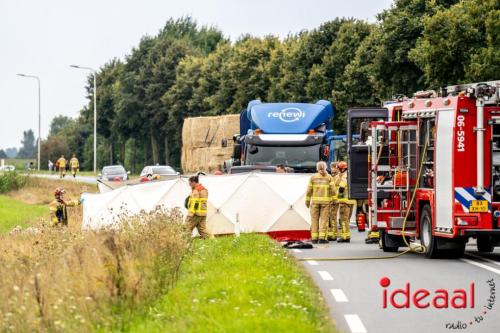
(14, 212)
(55, 280)
(27, 204)
(246, 284)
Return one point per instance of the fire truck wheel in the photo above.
(385, 239)
(426, 237)
(484, 244)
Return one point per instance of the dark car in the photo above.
(114, 173)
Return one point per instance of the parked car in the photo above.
(114, 173)
(160, 170)
(7, 168)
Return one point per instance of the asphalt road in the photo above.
(80, 179)
(353, 291)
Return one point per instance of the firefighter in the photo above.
(318, 198)
(346, 206)
(334, 206)
(74, 165)
(197, 208)
(58, 208)
(61, 163)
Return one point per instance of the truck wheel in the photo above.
(484, 244)
(384, 240)
(426, 237)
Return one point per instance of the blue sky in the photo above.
(45, 37)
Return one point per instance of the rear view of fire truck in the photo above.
(358, 146)
(435, 171)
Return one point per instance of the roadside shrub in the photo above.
(58, 280)
(11, 180)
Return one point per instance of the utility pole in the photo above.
(39, 116)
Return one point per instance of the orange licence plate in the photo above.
(478, 206)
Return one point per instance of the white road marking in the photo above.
(325, 275)
(355, 324)
(339, 295)
(296, 250)
(478, 264)
(312, 262)
(485, 259)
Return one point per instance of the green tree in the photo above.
(58, 123)
(401, 26)
(460, 44)
(28, 145)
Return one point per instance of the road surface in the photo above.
(80, 179)
(353, 291)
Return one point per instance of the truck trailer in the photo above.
(296, 135)
(434, 171)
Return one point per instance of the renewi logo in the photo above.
(288, 115)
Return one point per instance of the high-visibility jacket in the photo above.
(73, 163)
(343, 189)
(335, 178)
(198, 201)
(58, 211)
(61, 163)
(319, 189)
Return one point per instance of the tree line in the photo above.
(190, 70)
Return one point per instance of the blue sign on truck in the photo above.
(296, 135)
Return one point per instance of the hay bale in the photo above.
(201, 142)
(209, 131)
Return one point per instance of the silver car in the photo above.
(160, 170)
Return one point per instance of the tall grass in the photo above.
(58, 280)
(41, 190)
(11, 180)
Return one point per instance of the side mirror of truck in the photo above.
(237, 151)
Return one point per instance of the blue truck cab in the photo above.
(296, 135)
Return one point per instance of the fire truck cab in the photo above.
(434, 171)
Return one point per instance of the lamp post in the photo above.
(39, 115)
(94, 73)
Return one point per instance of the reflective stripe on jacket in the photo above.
(334, 187)
(319, 189)
(61, 163)
(198, 202)
(58, 211)
(343, 189)
(74, 163)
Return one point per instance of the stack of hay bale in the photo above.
(202, 138)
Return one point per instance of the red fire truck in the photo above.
(434, 171)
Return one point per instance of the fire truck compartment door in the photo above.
(443, 165)
(358, 172)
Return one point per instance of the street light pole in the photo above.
(94, 73)
(39, 116)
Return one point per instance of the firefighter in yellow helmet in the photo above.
(61, 164)
(197, 208)
(74, 165)
(58, 208)
(332, 232)
(318, 198)
(346, 206)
